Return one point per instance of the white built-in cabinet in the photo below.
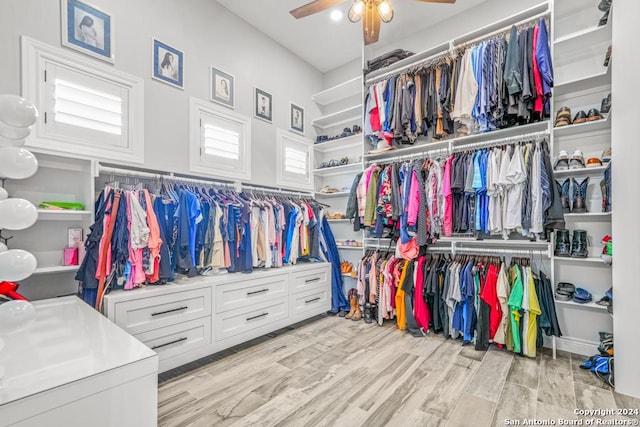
(192, 318)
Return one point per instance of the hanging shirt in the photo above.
(515, 305)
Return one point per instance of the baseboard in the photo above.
(573, 345)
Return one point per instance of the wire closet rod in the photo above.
(107, 170)
(453, 47)
(538, 136)
(489, 251)
(412, 156)
(265, 189)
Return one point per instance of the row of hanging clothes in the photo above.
(478, 299)
(494, 191)
(500, 82)
(148, 236)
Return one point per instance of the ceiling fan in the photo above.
(370, 11)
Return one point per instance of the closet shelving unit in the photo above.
(59, 179)
(581, 82)
(341, 106)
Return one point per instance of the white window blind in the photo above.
(294, 161)
(85, 107)
(220, 141)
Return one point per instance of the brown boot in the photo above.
(358, 314)
(353, 300)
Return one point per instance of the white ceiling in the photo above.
(326, 44)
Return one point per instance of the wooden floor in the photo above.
(340, 372)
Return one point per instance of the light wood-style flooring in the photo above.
(337, 372)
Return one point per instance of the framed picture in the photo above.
(87, 29)
(296, 118)
(168, 64)
(223, 89)
(263, 105)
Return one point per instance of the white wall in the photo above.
(208, 34)
(626, 197)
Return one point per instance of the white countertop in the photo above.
(68, 341)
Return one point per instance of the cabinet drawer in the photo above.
(155, 312)
(309, 303)
(179, 338)
(310, 279)
(241, 294)
(246, 319)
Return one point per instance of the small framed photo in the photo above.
(168, 64)
(222, 87)
(296, 118)
(263, 105)
(87, 29)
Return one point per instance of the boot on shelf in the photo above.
(563, 245)
(607, 186)
(579, 245)
(563, 189)
(579, 204)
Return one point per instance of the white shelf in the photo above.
(586, 37)
(358, 248)
(56, 269)
(587, 127)
(349, 276)
(339, 220)
(589, 260)
(589, 306)
(600, 79)
(333, 195)
(461, 141)
(494, 242)
(351, 115)
(353, 141)
(62, 215)
(338, 170)
(582, 171)
(589, 216)
(339, 92)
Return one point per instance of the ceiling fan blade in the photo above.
(371, 25)
(437, 1)
(314, 7)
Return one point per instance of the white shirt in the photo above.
(516, 176)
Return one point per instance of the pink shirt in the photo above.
(447, 221)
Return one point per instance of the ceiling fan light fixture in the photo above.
(336, 15)
(385, 10)
(356, 11)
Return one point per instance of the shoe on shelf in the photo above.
(579, 245)
(356, 129)
(579, 189)
(607, 57)
(605, 107)
(580, 117)
(582, 296)
(563, 117)
(576, 161)
(564, 291)
(593, 162)
(563, 244)
(606, 155)
(562, 161)
(327, 189)
(593, 115)
(605, 18)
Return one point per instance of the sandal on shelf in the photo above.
(582, 296)
(562, 161)
(576, 161)
(563, 117)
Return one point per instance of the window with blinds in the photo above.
(87, 109)
(220, 141)
(294, 161)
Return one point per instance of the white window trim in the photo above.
(35, 55)
(198, 107)
(280, 178)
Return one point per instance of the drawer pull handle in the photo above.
(258, 292)
(169, 311)
(312, 280)
(169, 343)
(309, 301)
(257, 317)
